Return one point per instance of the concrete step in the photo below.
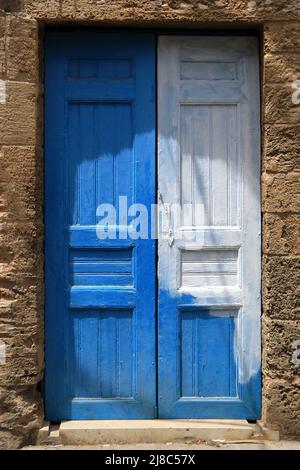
(150, 431)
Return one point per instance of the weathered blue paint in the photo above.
(209, 282)
(100, 294)
(202, 365)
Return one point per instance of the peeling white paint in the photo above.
(2, 352)
(2, 92)
(296, 353)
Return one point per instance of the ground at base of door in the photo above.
(213, 445)
(188, 432)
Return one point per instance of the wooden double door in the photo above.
(147, 319)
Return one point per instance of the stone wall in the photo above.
(21, 187)
(281, 222)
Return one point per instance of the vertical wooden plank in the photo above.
(104, 115)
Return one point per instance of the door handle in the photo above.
(166, 208)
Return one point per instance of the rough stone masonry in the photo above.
(21, 188)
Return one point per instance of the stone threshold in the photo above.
(95, 432)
